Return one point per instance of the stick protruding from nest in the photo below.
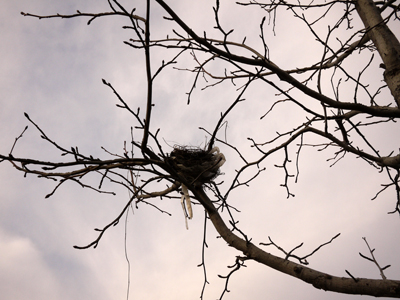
(197, 167)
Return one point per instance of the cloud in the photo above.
(24, 273)
(52, 69)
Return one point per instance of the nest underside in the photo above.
(196, 165)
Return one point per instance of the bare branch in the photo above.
(371, 251)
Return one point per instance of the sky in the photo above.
(52, 69)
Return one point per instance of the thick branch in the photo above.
(385, 41)
(320, 280)
(149, 79)
(284, 76)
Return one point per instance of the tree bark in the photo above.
(320, 280)
(386, 43)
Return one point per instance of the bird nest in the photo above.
(196, 165)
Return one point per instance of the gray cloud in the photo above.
(52, 70)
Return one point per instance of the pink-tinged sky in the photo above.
(52, 70)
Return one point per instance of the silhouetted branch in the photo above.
(331, 114)
(373, 259)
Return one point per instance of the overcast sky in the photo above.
(52, 70)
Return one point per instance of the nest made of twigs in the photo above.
(196, 165)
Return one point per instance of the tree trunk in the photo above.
(386, 43)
